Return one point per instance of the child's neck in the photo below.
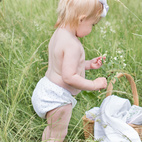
(71, 30)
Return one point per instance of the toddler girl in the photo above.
(53, 96)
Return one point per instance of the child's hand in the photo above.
(96, 63)
(100, 83)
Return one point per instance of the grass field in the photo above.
(25, 30)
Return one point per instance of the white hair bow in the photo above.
(105, 6)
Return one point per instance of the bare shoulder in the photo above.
(66, 40)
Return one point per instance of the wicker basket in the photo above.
(88, 125)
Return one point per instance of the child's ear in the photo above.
(82, 18)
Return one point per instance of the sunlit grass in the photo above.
(25, 30)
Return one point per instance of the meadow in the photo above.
(26, 27)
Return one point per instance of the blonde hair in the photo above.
(69, 11)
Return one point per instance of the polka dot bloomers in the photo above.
(48, 96)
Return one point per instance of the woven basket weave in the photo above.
(88, 125)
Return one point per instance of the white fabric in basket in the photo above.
(110, 121)
(135, 115)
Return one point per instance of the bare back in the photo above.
(58, 45)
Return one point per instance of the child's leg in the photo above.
(58, 121)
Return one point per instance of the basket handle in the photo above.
(132, 83)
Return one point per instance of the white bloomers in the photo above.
(48, 96)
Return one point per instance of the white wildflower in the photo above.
(38, 28)
(113, 31)
(115, 58)
(124, 65)
(108, 23)
(119, 52)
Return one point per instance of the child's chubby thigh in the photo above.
(58, 120)
(59, 117)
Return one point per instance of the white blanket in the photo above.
(110, 121)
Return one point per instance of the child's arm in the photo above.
(95, 63)
(71, 70)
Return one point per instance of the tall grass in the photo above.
(25, 30)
